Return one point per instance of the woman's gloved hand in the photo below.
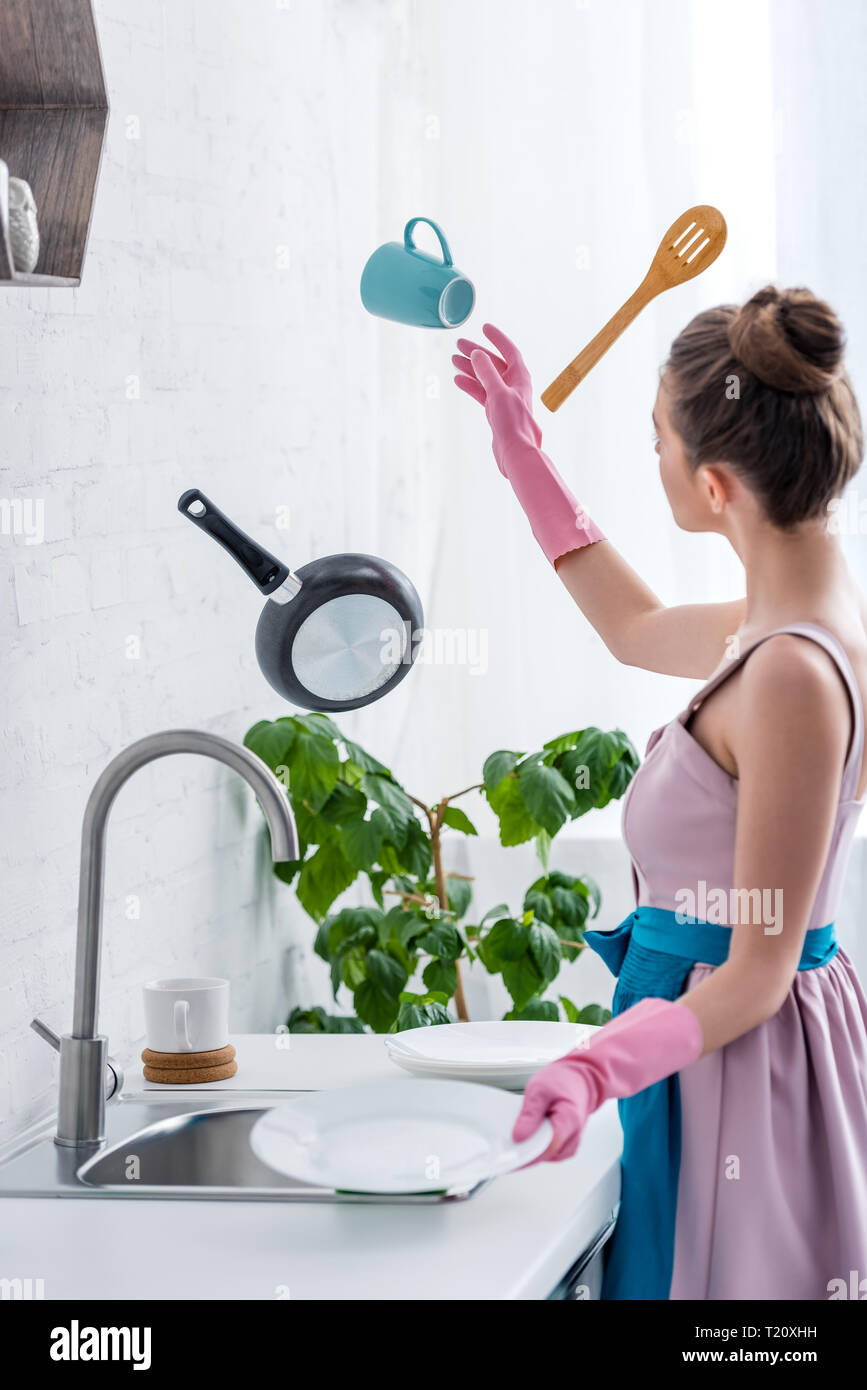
(648, 1042)
(502, 385)
(510, 365)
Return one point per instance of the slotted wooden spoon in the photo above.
(690, 245)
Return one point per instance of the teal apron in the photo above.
(652, 953)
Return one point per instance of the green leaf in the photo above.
(378, 879)
(312, 829)
(271, 741)
(571, 906)
(394, 802)
(378, 1009)
(498, 766)
(545, 948)
(442, 940)
(506, 941)
(286, 872)
(621, 775)
(458, 820)
(539, 904)
(345, 928)
(501, 910)
(546, 795)
(362, 841)
(522, 980)
(516, 824)
(594, 896)
(460, 893)
(562, 901)
(543, 1009)
(389, 858)
(323, 877)
(595, 1014)
(386, 973)
(345, 803)
(318, 724)
(415, 852)
(342, 1023)
(421, 1015)
(313, 769)
(563, 742)
(353, 966)
(599, 768)
(363, 759)
(441, 975)
(316, 1020)
(404, 925)
(578, 773)
(571, 1010)
(543, 848)
(406, 959)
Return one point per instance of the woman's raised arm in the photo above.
(635, 626)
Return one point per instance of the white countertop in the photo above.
(514, 1240)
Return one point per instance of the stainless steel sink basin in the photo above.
(201, 1149)
(159, 1149)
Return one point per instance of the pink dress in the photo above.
(772, 1190)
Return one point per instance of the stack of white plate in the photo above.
(503, 1054)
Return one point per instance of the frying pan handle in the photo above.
(266, 572)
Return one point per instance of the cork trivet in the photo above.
(186, 1061)
(192, 1076)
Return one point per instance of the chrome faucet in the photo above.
(88, 1077)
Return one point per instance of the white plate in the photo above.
(396, 1136)
(507, 1078)
(504, 1044)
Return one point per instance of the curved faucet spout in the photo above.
(275, 804)
(81, 1110)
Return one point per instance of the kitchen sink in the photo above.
(159, 1149)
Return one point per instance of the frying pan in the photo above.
(338, 634)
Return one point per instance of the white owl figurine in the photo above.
(23, 228)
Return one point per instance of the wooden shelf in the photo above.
(53, 113)
(36, 281)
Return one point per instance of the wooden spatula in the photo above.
(690, 245)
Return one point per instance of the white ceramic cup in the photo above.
(186, 1015)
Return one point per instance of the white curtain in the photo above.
(555, 142)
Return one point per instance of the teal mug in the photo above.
(402, 283)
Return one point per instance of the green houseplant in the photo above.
(354, 818)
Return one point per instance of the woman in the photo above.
(738, 1050)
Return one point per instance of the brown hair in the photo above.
(763, 389)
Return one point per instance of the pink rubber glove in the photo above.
(503, 386)
(511, 367)
(648, 1042)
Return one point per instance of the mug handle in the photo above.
(180, 1018)
(410, 245)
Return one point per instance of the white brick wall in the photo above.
(187, 357)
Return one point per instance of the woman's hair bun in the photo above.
(789, 340)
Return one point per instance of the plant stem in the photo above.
(435, 822)
(407, 897)
(477, 786)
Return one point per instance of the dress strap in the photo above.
(833, 646)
